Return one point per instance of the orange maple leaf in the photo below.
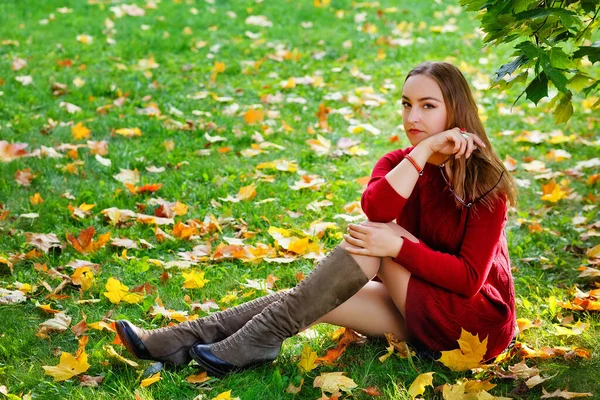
(334, 354)
(251, 116)
(85, 244)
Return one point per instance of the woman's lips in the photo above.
(414, 131)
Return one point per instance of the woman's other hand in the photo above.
(453, 141)
(373, 239)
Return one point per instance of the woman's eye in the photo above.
(428, 106)
(405, 104)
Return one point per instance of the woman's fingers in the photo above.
(471, 147)
(354, 241)
(356, 250)
(358, 228)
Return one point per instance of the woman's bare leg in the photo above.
(394, 276)
(377, 308)
(371, 312)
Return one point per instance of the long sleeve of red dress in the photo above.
(380, 201)
(466, 272)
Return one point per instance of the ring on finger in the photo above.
(465, 135)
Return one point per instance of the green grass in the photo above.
(110, 71)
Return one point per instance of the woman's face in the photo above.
(424, 110)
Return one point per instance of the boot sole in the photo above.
(208, 367)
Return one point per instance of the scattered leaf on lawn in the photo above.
(149, 381)
(307, 359)
(420, 383)
(332, 382)
(470, 354)
(70, 365)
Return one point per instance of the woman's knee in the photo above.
(369, 264)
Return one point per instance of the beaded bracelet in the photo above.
(414, 163)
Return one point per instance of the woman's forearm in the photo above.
(404, 176)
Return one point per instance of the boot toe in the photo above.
(204, 356)
(127, 332)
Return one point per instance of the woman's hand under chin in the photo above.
(453, 141)
(375, 239)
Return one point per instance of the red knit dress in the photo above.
(460, 268)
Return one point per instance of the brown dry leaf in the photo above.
(43, 241)
(9, 152)
(372, 391)
(564, 394)
(470, 354)
(332, 382)
(81, 327)
(322, 114)
(90, 381)
(521, 370)
(59, 323)
(553, 352)
(126, 176)
(294, 389)
(124, 242)
(24, 177)
(536, 380)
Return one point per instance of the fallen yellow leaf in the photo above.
(225, 396)
(70, 365)
(469, 355)
(80, 132)
(36, 199)
(129, 132)
(418, 386)
(149, 381)
(83, 277)
(307, 359)
(117, 292)
(194, 280)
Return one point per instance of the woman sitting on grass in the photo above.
(442, 266)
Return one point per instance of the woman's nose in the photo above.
(414, 115)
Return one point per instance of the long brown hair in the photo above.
(471, 177)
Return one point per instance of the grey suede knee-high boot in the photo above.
(171, 344)
(337, 278)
